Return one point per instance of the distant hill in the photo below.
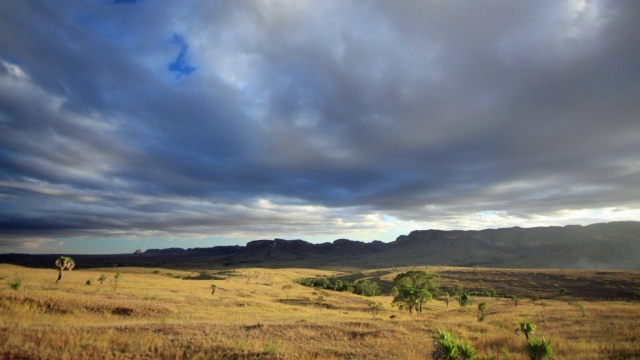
(613, 245)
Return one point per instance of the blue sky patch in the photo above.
(179, 65)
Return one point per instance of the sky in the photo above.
(144, 124)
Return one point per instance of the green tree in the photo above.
(515, 300)
(465, 299)
(102, 278)
(491, 293)
(338, 285)
(527, 328)
(457, 289)
(64, 263)
(414, 288)
(214, 287)
(539, 349)
(366, 288)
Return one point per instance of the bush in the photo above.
(539, 349)
(16, 285)
(465, 300)
(447, 348)
(564, 291)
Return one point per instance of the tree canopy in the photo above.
(414, 288)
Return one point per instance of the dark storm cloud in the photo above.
(255, 118)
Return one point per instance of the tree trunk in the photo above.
(59, 276)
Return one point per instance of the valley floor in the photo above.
(154, 313)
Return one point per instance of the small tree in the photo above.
(539, 349)
(445, 297)
(102, 278)
(491, 293)
(374, 306)
(213, 288)
(286, 289)
(515, 300)
(527, 328)
(482, 307)
(320, 297)
(64, 263)
(116, 279)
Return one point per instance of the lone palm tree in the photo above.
(527, 328)
(64, 263)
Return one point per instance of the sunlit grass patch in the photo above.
(252, 315)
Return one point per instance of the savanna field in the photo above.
(149, 313)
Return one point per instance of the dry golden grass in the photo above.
(155, 315)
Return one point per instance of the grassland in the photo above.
(158, 313)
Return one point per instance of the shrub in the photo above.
(564, 291)
(539, 349)
(447, 348)
(16, 285)
(465, 300)
(466, 351)
(482, 307)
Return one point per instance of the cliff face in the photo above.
(601, 246)
(610, 245)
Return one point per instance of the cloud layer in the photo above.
(318, 119)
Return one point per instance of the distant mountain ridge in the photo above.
(614, 245)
